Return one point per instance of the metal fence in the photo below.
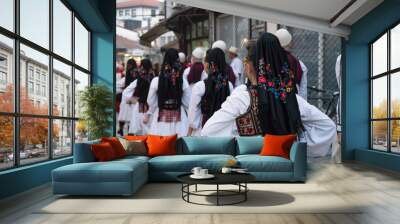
(319, 53)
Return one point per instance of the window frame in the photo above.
(388, 74)
(16, 114)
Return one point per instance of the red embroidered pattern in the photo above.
(248, 124)
(169, 116)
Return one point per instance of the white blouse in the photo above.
(194, 115)
(320, 130)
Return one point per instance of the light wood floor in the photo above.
(377, 188)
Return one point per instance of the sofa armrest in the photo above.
(83, 152)
(298, 155)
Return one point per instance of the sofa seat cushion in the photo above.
(257, 163)
(113, 171)
(185, 163)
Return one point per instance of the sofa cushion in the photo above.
(161, 145)
(83, 152)
(206, 145)
(185, 163)
(112, 171)
(103, 152)
(257, 163)
(249, 145)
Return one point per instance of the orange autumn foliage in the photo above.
(33, 130)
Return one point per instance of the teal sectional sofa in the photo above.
(125, 176)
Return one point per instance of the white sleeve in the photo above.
(128, 91)
(152, 98)
(222, 123)
(186, 73)
(194, 114)
(303, 82)
(204, 75)
(186, 94)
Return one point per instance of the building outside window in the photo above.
(153, 12)
(385, 95)
(127, 12)
(233, 29)
(120, 12)
(133, 13)
(56, 126)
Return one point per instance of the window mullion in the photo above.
(389, 106)
(16, 85)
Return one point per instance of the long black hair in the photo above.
(170, 81)
(279, 110)
(143, 81)
(130, 71)
(216, 84)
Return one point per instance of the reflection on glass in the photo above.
(81, 81)
(34, 96)
(81, 45)
(35, 21)
(62, 89)
(6, 74)
(6, 142)
(379, 97)
(241, 32)
(62, 29)
(395, 47)
(33, 139)
(81, 131)
(395, 135)
(395, 95)
(379, 55)
(379, 135)
(62, 138)
(7, 14)
(225, 31)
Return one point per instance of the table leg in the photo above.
(217, 194)
(195, 188)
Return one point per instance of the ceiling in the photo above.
(327, 16)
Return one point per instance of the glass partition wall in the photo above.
(44, 64)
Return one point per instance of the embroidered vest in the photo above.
(248, 124)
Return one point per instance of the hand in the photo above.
(132, 100)
(190, 131)
(145, 119)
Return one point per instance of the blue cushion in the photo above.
(249, 145)
(185, 163)
(206, 145)
(83, 152)
(257, 163)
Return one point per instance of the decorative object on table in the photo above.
(230, 170)
(231, 163)
(96, 103)
(239, 180)
(200, 173)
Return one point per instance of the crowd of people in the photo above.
(264, 93)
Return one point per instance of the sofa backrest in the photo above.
(83, 153)
(249, 145)
(206, 145)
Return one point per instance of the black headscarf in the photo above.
(170, 81)
(130, 72)
(143, 81)
(216, 84)
(279, 110)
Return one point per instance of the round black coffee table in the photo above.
(238, 179)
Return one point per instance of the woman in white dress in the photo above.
(195, 72)
(138, 100)
(125, 111)
(208, 95)
(168, 99)
(241, 113)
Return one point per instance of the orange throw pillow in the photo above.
(277, 145)
(116, 145)
(161, 145)
(135, 137)
(103, 152)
